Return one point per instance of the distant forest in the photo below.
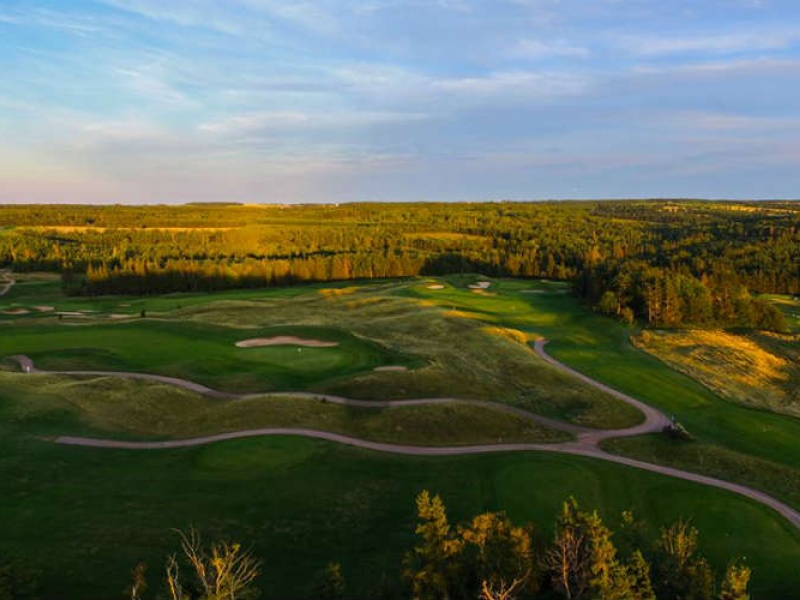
(669, 263)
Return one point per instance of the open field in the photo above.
(258, 489)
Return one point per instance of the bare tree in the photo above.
(569, 563)
(500, 590)
(224, 573)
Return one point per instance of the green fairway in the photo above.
(86, 516)
(601, 348)
(199, 352)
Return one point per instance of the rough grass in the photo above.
(761, 370)
(116, 407)
(383, 324)
(780, 480)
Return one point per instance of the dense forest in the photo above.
(666, 262)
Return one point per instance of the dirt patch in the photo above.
(392, 368)
(436, 286)
(16, 311)
(284, 340)
(120, 316)
(45, 308)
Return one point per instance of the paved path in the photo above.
(587, 443)
(28, 366)
(654, 419)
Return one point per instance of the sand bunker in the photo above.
(284, 340)
(71, 314)
(480, 285)
(16, 311)
(120, 316)
(396, 368)
(45, 308)
(436, 286)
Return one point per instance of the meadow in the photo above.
(86, 516)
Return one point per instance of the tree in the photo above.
(584, 560)
(679, 574)
(641, 584)
(433, 568)
(139, 583)
(226, 572)
(734, 584)
(332, 584)
(501, 554)
(569, 560)
(609, 304)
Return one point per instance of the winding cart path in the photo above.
(587, 444)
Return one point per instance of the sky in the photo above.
(269, 101)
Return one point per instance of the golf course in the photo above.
(305, 419)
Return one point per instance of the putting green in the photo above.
(200, 352)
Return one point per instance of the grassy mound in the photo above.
(761, 370)
(127, 409)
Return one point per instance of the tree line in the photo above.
(488, 557)
(665, 262)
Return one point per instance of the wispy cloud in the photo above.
(752, 40)
(535, 49)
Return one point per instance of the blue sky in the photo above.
(345, 100)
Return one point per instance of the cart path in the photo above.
(587, 443)
(28, 366)
(576, 449)
(654, 419)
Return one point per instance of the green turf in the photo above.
(601, 348)
(85, 517)
(121, 408)
(199, 352)
(303, 503)
(375, 325)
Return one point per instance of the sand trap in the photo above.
(436, 286)
(120, 316)
(71, 314)
(396, 368)
(480, 285)
(124, 304)
(284, 340)
(45, 308)
(16, 311)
